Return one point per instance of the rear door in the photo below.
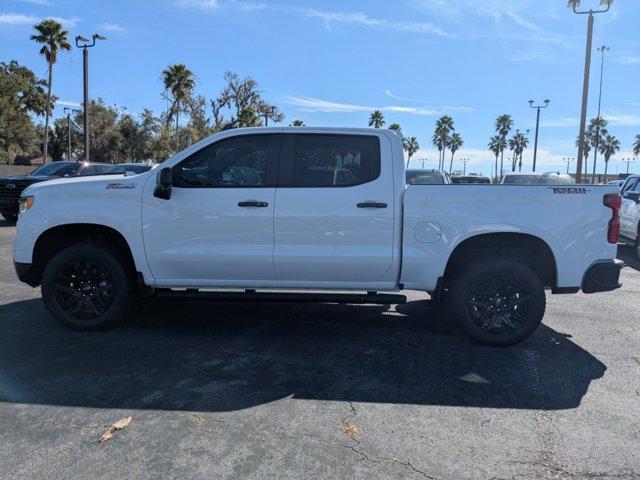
(334, 213)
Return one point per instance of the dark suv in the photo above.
(11, 187)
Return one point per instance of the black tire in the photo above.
(87, 287)
(497, 301)
(10, 217)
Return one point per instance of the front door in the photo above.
(334, 214)
(217, 227)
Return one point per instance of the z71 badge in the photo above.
(570, 190)
(121, 185)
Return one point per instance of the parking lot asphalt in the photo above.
(222, 390)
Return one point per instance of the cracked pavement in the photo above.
(254, 391)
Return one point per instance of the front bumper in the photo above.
(602, 276)
(9, 206)
(26, 273)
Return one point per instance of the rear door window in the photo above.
(329, 160)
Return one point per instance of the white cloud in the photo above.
(628, 60)
(20, 19)
(66, 103)
(111, 27)
(615, 120)
(310, 104)
(36, 2)
(203, 4)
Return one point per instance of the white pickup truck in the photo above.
(312, 214)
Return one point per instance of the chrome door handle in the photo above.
(252, 203)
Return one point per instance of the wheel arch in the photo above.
(532, 250)
(54, 239)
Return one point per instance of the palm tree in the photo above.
(178, 79)
(444, 126)
(439, 141)
(523, 142)
(503, 125)
(513, 147)
(609, 146)
(53, 39)
(586, 148)
(596, 131)
(395, 127)
(497, 144)
(455, 142)
(298, 123)
(636, 146)
(270, 112)
(376, 120)
(411, 146)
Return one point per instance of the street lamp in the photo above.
(464, 163)
(535, 143)
(82, 42)
(601, 49)
(69, 111)
(628, 161)
(568, 160)
(574, 4)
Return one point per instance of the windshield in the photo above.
(130, 168)
(57, 169)
(425, 178)
(538, 180)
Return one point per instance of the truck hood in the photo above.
(90, 183)
(27, 178)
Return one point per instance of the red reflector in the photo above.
(614, 202)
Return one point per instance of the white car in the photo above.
(427, 177)
(316, 209)
(630, 212)
(546, 178)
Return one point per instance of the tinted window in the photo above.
(103, 168)
(141, 168)
(232, 162)
(331, 160)
(538, 180)
(57, 169)
(630, 184)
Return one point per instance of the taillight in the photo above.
(614, 202)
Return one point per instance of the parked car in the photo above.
(427, 177)
(630, 212)
(617, 183)
(131, 167)
(11, 187)
(547, 178)
(470, 179)
(92, 243)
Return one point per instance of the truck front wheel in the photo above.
(87, 287)
(497, 301)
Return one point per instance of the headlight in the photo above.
(25, 203)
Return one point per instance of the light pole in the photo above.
(628, 161)
(601, 49)
(574, 4)
(568, 160)
(535, 143)
(464, 165)
(83, 43)
(69, 111)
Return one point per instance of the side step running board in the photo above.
(297, 297)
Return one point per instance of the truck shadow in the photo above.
(220, 357)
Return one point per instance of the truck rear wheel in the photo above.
(497, 301)
(87, 287)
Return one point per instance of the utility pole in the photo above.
(69, 111)
(83, 43)
(628, 161)
(568, 160)
(574, 4)
(535, 143)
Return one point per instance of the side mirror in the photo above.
(164, 180)
(635, 196)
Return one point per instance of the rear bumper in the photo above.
(602, 276)
(26, 273)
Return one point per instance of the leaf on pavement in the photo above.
(119, 425)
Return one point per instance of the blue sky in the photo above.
(331, 62)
